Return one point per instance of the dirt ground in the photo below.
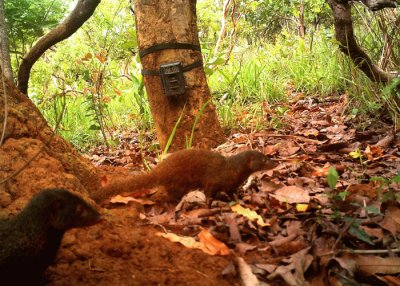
(124, 249)
(119, 251)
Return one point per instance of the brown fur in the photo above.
(186, 170)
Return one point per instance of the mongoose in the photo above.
(186, 170)
(29, 241)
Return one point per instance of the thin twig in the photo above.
(363, 251)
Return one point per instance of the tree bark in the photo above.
(32, 158)
(348, 44)
(83, 10)
(4, 49)
(165, 21)
(375, 5)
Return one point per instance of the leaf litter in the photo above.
(328, 214)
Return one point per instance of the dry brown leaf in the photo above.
(270, 150)
(391, 219)
(372, 265)
(385, 142)
(212, 244)
(242, 248)
(234, 232)
(321, 172)
(310, 132)
(372, 152)
(292, 195)
(393, 281)
(286, 151)
(293, 274)
(375, 232)
(246, 275)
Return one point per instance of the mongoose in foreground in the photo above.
(186, 170)
(29, 241)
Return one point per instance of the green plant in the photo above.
(332, 177)
(357, 154)
(390, 194)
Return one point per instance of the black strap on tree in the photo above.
(173, 46)
(166, 46)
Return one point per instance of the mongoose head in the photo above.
(257, 161)
(64, 209)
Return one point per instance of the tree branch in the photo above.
(83, 10)
(348, 44)
(375, 5)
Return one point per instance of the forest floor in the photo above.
(291, 228)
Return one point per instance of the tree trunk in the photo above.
(302, 27)
(164, 21)
(348, 44)
(83, 10)
(4, 49)
(32, 158)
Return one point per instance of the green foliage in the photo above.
(356, 231)
(389, 195)
(27, 20)
(269, 64)
(332, 177)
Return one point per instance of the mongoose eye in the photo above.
(79, 211)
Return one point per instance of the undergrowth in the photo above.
(255, 77)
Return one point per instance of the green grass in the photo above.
(253, 78)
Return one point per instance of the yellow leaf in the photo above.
(301, 207)
(251, 215)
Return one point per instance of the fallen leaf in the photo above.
(321, 172)
(293, 273)
(246, 275)
(385, 142)
(372, 152)
(212, 244)
(391, 220)
(242, 248)
(376, 264)
(121, 200)
(292, 195)
(190, 242)
(301, 207)
(251, 215)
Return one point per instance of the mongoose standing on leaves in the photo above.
(29, 241)
(186, 170)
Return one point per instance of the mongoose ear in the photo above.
(103, 181)
(54, 212)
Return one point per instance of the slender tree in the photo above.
(4, 47)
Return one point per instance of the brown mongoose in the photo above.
(186, 170)
(29, 241)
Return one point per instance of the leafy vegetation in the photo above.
(263, 60)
